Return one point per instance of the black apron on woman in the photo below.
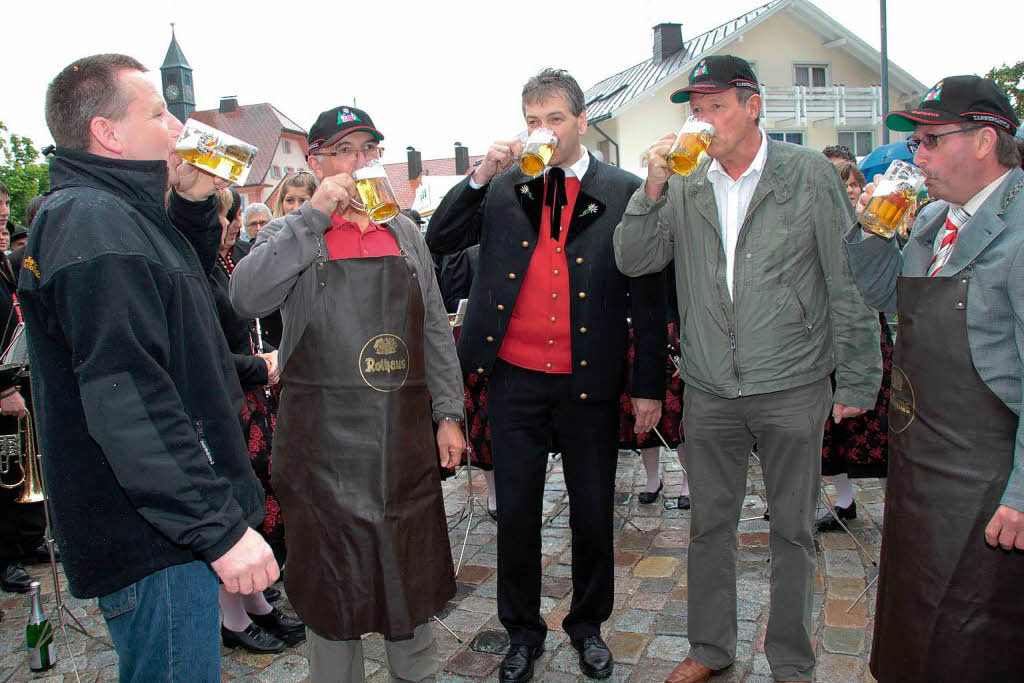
(950, 607)
(356, 467)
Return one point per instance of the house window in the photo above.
(795, 138)
(286, 146)
(858, 142)
(810, 75)
(275, 172)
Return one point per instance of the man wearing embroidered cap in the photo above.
(768, 310)
(950, 600)
(366, 337)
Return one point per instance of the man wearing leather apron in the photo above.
(366, 337)
(950, 600)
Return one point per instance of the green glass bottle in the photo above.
(42, 654)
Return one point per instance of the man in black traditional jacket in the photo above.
(547, 325)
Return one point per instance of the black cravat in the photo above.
(554, 196)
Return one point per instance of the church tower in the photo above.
(176, 75)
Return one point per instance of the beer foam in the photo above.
(373, 171)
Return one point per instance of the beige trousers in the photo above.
(341, 661)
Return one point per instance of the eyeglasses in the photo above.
(258, 223)
(931, 140)
(349, 153)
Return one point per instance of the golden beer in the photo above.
(891, 200)
(215, 152)
(375, 193)
(885, 212)
(537, 154)
(690, 146)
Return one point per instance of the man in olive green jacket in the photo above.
(768, 310)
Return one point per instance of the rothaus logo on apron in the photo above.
(384, 362)
(901, 401)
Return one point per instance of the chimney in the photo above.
(415, 163)
(668, 39)
(228, 104)
(461, 159)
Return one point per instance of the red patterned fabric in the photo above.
(258, 418)
(859, 447)
(670, 426)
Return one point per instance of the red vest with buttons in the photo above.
(538, 335)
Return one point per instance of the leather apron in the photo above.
(355, 463)
(949, 607)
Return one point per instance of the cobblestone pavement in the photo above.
(647, 631)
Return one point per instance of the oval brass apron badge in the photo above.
(384, 362)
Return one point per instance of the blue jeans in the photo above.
(165, 626)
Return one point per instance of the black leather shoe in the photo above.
(595, 658)
(828, 523)
(517, 667)
(648, 497)
(289, 629)
(14, 578)
(254, 639)
(40, 555)
(683, 503)
(271, 594)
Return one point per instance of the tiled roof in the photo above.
(405, 189)
(609, 95)
(259, 125)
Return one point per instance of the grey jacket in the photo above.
(796, 314)
(992, 241)
(278, 273)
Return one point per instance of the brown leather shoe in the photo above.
(689, 671)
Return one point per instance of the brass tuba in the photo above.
(21, 448)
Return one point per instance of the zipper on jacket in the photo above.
(202, 441)
(735, 364)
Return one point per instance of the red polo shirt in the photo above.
(538, 336)
(344, 239)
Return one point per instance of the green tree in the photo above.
(20, 172)
(1011, 80)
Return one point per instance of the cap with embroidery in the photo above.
(716, 74)
(957, 99)
(336, 123)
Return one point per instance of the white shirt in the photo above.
(971, 207)
(578, 169)
(733, 197)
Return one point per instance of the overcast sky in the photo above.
(433, 72)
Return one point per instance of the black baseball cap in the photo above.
(717, 73)
(957, 99)
(336, 123)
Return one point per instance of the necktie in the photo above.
(554, 196)
(955, 219)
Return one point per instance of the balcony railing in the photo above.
(839, 105)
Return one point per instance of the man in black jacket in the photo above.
(148, 475)
(547, 324)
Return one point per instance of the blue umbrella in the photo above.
(880, 158)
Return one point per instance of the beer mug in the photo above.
(893, 196)
(377, 197)
(690, 146)
(537, 152)
(215, 152)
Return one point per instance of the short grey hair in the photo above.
(1007, 153)
(744, 94)
(551, 83)
(253, 209)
